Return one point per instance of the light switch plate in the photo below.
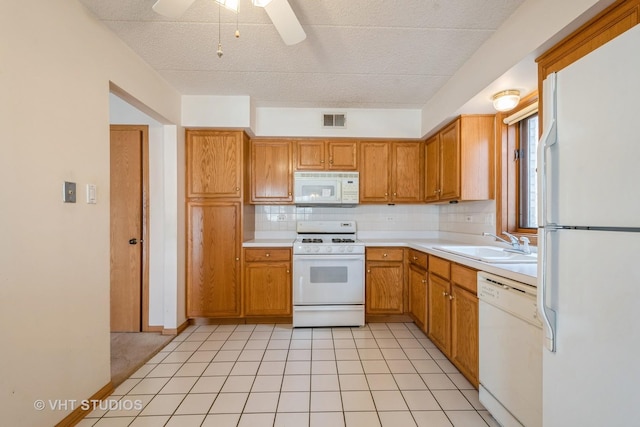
(69, 192)
(91, 194)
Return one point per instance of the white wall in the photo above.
(56, 65)
(216, 111)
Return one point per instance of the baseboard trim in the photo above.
(154, 328)
(388, 318)
(176, 331)
(79, 413)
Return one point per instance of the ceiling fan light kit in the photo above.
(280, 12)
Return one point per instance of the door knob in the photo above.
(133, 241)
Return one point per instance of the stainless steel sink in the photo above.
(490, 254)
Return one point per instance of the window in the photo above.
(527, 142)
(516, 201)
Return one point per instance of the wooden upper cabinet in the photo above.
(407, 165)
(214, 163)
(271, 171)
(326, 155)
(459, 160)
(432, 169)
(375, 175)
(391, 172)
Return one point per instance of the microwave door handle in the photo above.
(338, 190)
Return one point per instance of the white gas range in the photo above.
(328, 275)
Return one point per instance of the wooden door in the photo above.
(268, 289)
(464, 333)
(213, 259)
(384, 288)
(374, 171)
(214, 163)
(343, 155)
(418, 295)
(127, 218)
(271, 177)
(438, 312)
(432, 169)
(450, 162)
(408, 164)
(310, 155)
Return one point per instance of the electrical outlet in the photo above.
(390, 219)
(468, 218)
(281, 217)
(69, 192)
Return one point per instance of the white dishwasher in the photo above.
(510, 337)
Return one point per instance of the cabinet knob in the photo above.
(237, 188)
(444, 294)
(368, 271)
(386, 194)
(321, 161)
(424, 280)
(288, 272)
(330, 161)
(394, 194)
(237, 259)
(267, 255)
(450, 297)
(415, 258)
(384, 255)
(289, 192)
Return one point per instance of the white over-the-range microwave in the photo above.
(326, 188)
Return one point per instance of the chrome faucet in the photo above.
(513, 242)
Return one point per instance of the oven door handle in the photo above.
(329, 257)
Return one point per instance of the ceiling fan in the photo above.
(280, 12)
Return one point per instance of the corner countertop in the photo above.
(524, 273)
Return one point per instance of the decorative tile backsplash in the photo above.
(456, 221)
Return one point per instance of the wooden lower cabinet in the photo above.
(439, 313)
(213, 259)
(417, 282)
(267, 282)
(418, 295)
(453, 314)
(384, 282)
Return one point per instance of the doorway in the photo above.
(129, 171)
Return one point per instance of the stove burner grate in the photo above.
(338, 240)
(311, 240)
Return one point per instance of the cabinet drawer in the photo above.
(440, 267)
(267, 254)
(418, 258)
(384, 254)
(465, 277)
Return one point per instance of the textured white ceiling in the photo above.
(358, 53)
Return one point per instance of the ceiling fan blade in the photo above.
(172, 8)
(285, 21)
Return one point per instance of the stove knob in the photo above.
(316, 248)
(307, 249)
(329, 248)
(350, 249)
(341, 248)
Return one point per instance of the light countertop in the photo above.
(525, 273)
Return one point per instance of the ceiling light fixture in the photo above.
(506, 100)
(229, 4)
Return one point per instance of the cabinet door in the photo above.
(450, 162)
(432, 169)
(374, 171)
(214, 164)
(310, 155)
(407, 171)
(342, 155)
(213, 259)
(439, 312)
(384, 288)
(271, 177)
(418, 295)
(464, 333)
(267, 290)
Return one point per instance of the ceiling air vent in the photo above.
(334, 120)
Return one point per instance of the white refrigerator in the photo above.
(589, 239)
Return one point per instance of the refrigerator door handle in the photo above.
(547, 315)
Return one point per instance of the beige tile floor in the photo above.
(383, 374)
